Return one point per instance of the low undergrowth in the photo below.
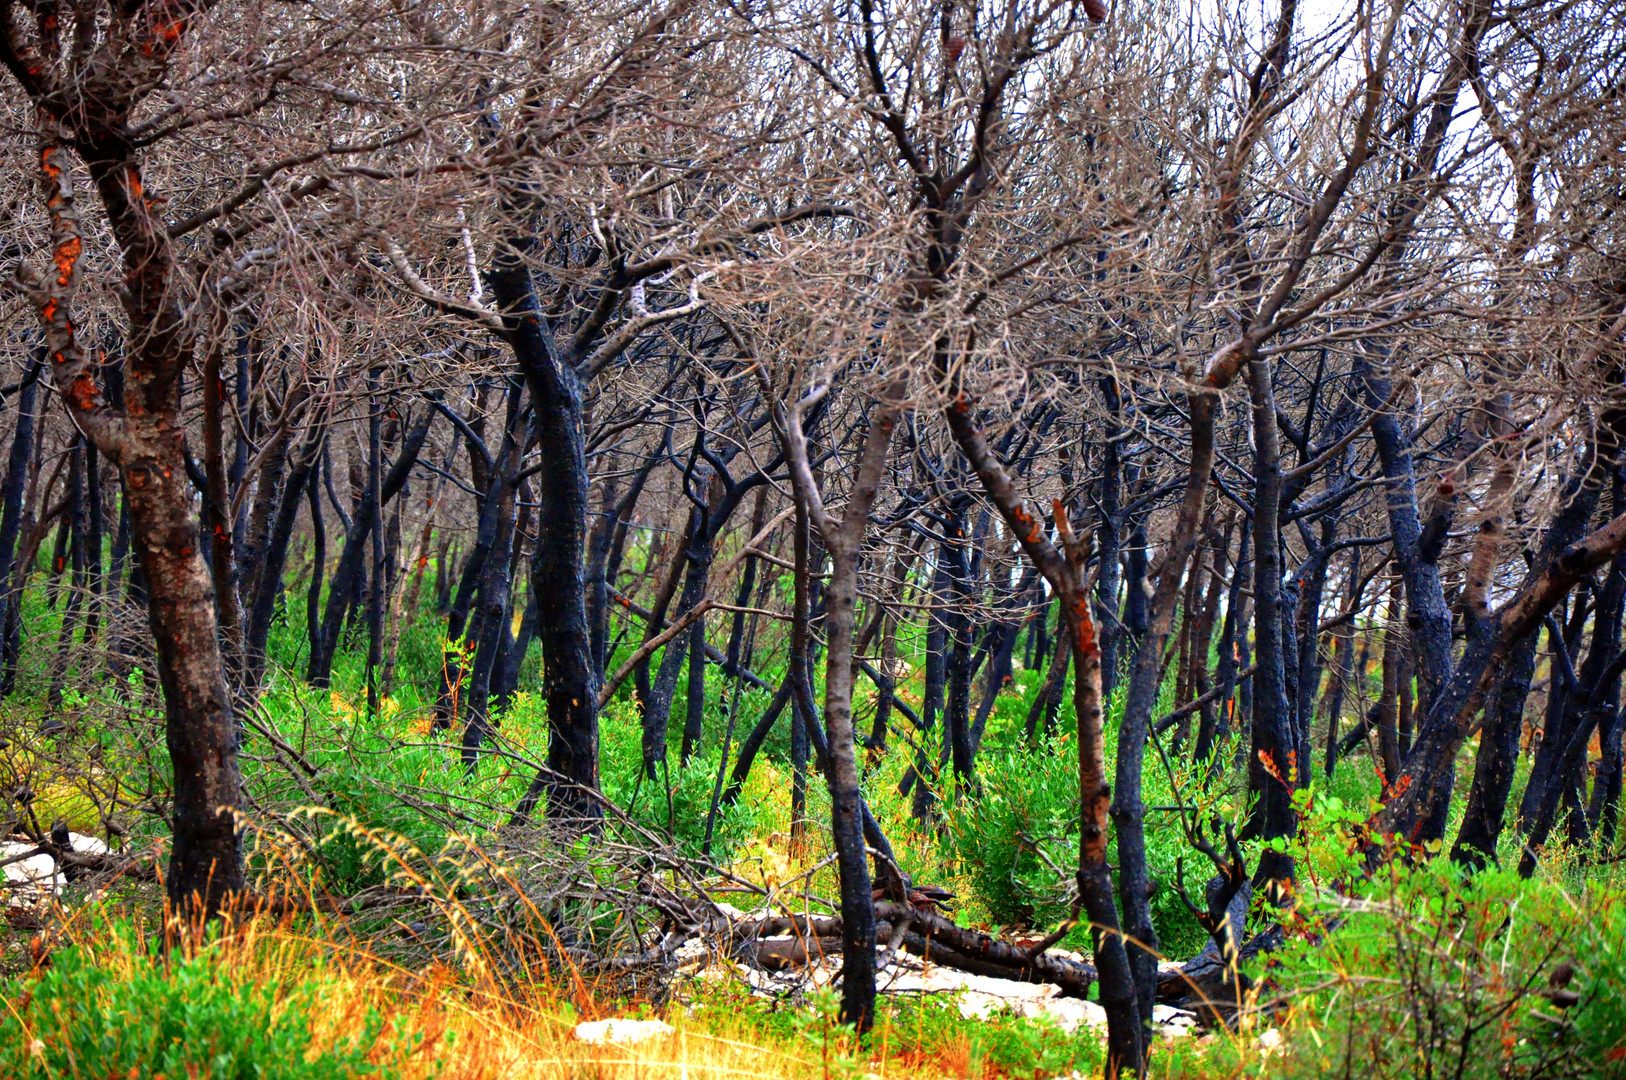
(1420, 973)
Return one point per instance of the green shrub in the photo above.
(1018, 840)
(676, 802)
(1429, 974)
(106, 1008)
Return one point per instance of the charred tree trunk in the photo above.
(1388, 702)
(12, 515)
(217, 508)
(1108, 546)
(1063, 569)
(957, 672)
(94, 580)
(923, 776)
(1216, 726)
(301, 482)
(495, 586)
(570, 678)
(1274, 744)
(1418, 813)
(609, 542)
(378, 489)
(1048, 699)
(146, 442)
(843, 540)
(1343, 662)
(71, 575)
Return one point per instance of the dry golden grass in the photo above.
(474, 1028)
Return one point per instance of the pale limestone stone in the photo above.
(621, 1032)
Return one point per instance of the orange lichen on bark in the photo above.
(1026, 520)
(82, 394)
(66, 258)
(167, 32)
(1084, 627)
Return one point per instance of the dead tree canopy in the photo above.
(795, 387)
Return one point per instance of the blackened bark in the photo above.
(94, 581)
(443, 575)
(1064, 572)
(844, 541)
(1312, 575)
(802, 718)
(923, 776)
(1428, 618)
(217, 507)
(348, 573)
(1388, 699)
(1128, 809)
(1001, 660)
(1582, 498)
(1564, 638)
(957, 671)
(1048, 699)
(250, 543)
(1343, 662)
(1216, 727)
(1135, 597)
(751, 745)
(1418, 813)
(513, 658)
(72, 576)
(1217, 586)
(313, 594)
(657, 704)
(11, 521)
(665, 591)
(700, 553)
(1107, 544)
(1496, 762)
(269, 585)
(570, 676)
(1593, 708)
(379, 577)
(1274, 745)
(459, 631)
(495, 587)
(1604, 811)
(609, 542)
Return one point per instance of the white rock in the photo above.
(1270, 1039)
(1168, 1014)
(37, 877)
(31, 880)
(87, 845)
(621, 1032)
(693, 951)
(1070, 1014)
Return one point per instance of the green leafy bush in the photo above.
(105, 1007)
(1018, 840)
(1430, 974)
(676, 802)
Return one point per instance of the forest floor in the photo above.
(1410, 973)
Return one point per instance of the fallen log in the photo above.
(1210, 986)
(926, 934)
(1009, 960)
